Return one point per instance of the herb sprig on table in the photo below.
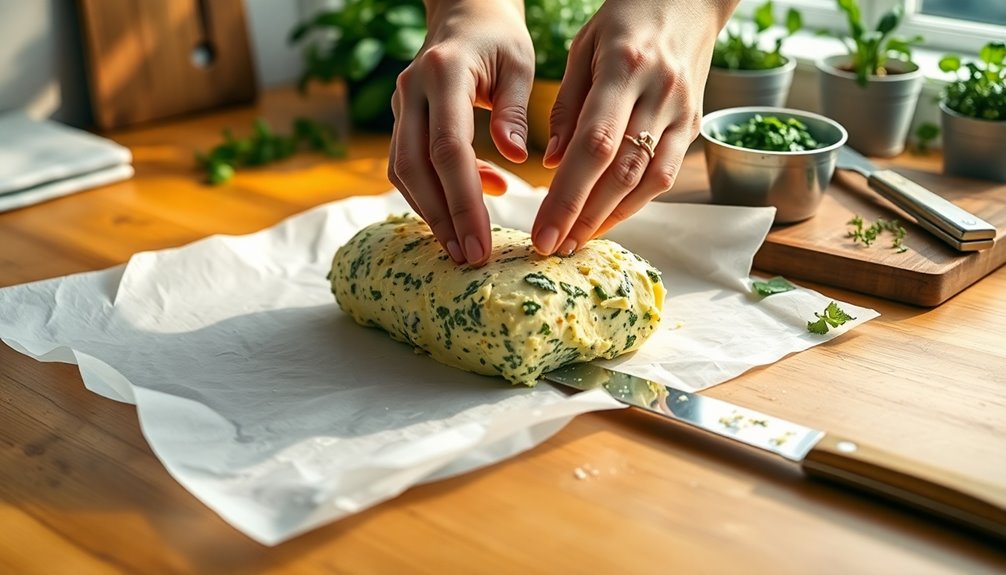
(860, 232)
(770, 134)
(264, 146)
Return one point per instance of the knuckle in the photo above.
(437, 221)
(585, 225)
(630, 167)
(515, 114)
(566, 206)
(631, 59)
(462, 211)
(664, 178)
(446, 149)
(438, 60)
(599, 142)
(561, 113)
(402, 168)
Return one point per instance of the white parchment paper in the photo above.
(281, 414)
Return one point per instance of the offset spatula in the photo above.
(955, 226)
(937, 491)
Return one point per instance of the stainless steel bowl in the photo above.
(793, 182)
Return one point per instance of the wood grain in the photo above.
(80, 490)
(140, 58)
(817, 249)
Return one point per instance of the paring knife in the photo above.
(938, 491)
(955, 226)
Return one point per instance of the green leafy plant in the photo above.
(264, 146)
(770, 134)
(367, 43)
(552, 25)
(925, 133)
(980, 89)
(870, 49)
(740, 51)
(833, 316)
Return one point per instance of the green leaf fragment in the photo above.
(541, 281)
(778, 284)
(833, 316)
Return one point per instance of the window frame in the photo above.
(941, 34)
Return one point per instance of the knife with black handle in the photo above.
(947, 221)
(941, 492)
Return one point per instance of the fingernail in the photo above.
(567, 248)
(473, 249)
(518, 138)
(455, 250)
(553, 143)
(547, 239)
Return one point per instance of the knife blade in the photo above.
(949, 222)
(941, 492)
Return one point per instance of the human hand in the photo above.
(637, 66)
(477, 53)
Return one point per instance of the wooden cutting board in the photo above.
(928, 274)
(153, 59)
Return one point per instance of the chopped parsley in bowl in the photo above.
(769, 133)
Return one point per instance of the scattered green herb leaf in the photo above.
(778, 284)
(530, 307)
(833, 316)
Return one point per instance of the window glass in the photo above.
(986, 11)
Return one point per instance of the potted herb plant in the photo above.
(366, 43)
(973, 115)
(745, 74)
(873, 89)
(552, 25)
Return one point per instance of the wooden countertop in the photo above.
(83, 493)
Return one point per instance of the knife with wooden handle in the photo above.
(947, 221)
(940, 492)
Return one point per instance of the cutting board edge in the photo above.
(926, 289)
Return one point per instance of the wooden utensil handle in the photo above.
(939, 491)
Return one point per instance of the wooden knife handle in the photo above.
(938, 491)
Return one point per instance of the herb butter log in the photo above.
(518, 316)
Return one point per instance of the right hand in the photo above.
(477, 53)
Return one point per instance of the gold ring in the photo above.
(645, 141)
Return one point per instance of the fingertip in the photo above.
(493, 183)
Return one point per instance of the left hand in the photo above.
(637, 66)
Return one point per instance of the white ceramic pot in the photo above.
(737, 88)
(878, 115)
(973, 148)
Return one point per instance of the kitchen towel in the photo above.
(42, 159)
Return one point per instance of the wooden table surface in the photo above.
(81, 491)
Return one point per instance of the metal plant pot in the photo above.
(973, 148)
(736, 88)
(878, 115)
